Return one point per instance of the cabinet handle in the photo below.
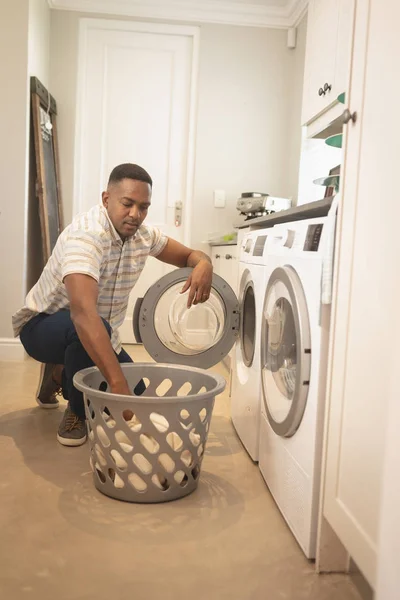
(321, 92)
(228, 256)
(217, 256)
(347, 116)
(327, 87)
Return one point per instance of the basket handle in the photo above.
(135, 320)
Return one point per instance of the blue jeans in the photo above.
(53, 339)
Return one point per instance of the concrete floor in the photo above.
(62, 540)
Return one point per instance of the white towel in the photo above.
(329, 251)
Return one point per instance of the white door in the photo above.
(136, 104)
(364, 341)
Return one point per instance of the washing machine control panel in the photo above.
(300, 237)
(254, 246)
(259, 245)
(313, 237)
(247, 245)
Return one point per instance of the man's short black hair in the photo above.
(129, 171)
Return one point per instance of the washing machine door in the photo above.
(171, 333)
(285, 351)
(247, 336)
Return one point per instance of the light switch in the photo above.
(219, 198)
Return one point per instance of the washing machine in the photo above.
(246, 376)
(294, 349)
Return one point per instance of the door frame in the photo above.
(85, 26)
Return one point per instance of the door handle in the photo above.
(322, 91)
(228, 256)
(178, 214)
(347, 116)
(217, 256)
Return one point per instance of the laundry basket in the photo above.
(149, 448)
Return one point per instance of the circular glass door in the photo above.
(248, 324)
(189, 331)
(285, 351)
(199, 336)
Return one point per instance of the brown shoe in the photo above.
(72, 430)
(48, 388)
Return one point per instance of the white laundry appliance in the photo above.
(246, 375)
(294, 349)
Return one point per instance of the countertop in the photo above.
(320, 208)
(231, 243)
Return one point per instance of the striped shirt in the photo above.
(92, 246)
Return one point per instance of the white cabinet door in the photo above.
(216, 259)
(329, 34)
(225, 263)
(344, 46)
(230, 266)
(322, 27)
(366, 292)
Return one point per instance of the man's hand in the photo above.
(200, 279)
(121, 388)
(199, 282)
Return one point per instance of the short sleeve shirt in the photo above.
(92, 246)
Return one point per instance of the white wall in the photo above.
(39, 40)
(13, 160)
(296, 94)
(245, 107)
(243, 120)
(24, 51)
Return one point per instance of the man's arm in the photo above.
(82, 292)
(200, 279)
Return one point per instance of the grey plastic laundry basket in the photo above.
(149, 448)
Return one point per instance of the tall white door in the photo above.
(364, 345)
(136, 104)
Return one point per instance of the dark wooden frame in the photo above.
(40, 100)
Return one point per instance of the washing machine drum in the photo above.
(285, 351)
(281, 350)
(248, 324)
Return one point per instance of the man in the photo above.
(71, 317)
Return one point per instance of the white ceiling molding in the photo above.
(226, 12)
(297, 11)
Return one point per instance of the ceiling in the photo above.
(274, 3)
(251, 13)
(267, 3)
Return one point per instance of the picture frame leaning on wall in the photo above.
(48, 188)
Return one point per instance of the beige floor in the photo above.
(62, 540)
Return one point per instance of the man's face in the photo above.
(127, 203)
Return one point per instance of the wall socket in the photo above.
(219, 198)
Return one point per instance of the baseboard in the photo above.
(359, 581)
(11, 349)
